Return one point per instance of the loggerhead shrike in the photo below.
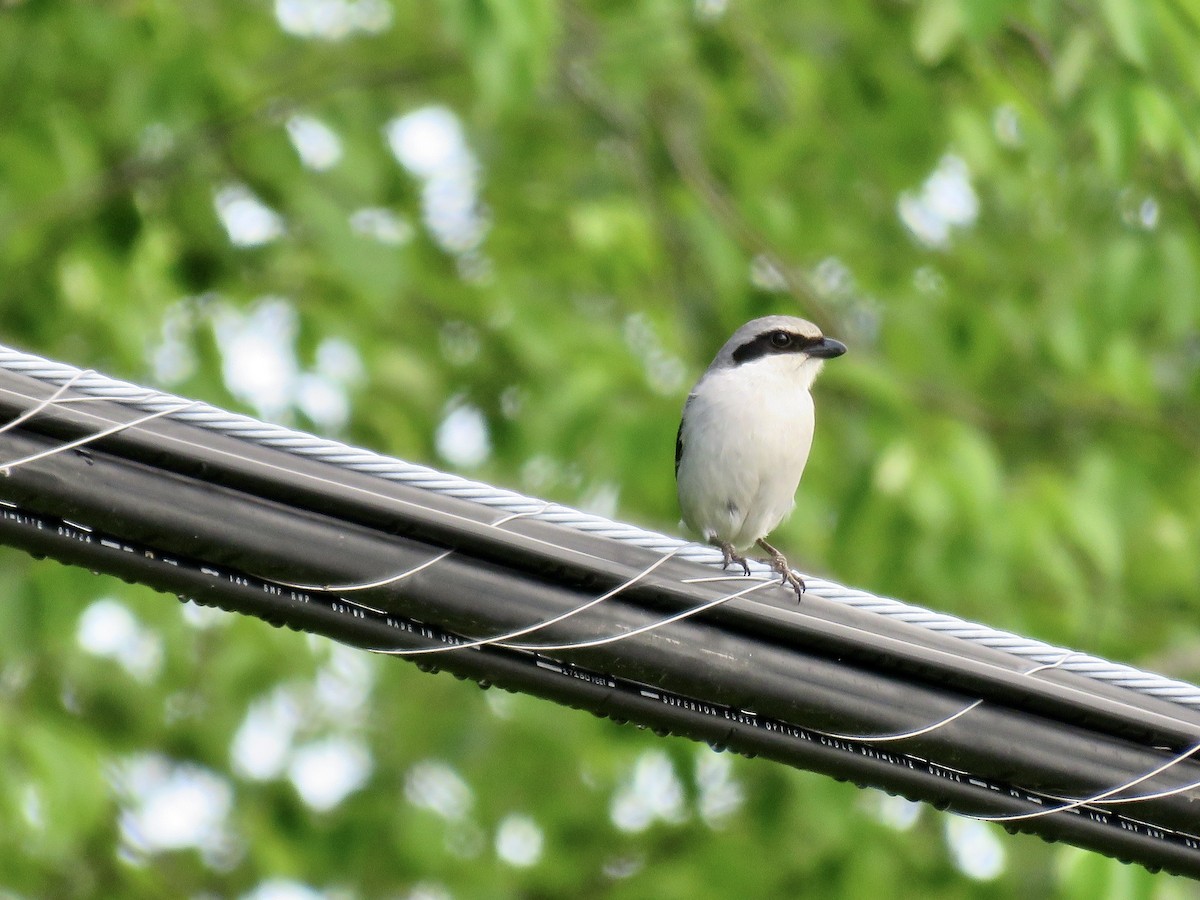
(745, 434)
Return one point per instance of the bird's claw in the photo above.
(778, 562)
(732, 557)
(789, 578)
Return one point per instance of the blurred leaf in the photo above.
(1128, 26)
(938, 26)
(1074, 62)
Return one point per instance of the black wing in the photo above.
(679, 436)
(678, 448)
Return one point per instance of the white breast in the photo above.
(746, 438)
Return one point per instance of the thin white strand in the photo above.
(6, 468)
(1157, 795)
(524, 514)
(501, 639)
(902, 735)
(669, 620)
(730, 577)
(392, 579)
(940, 723)
(49, 401)
(1095, 798)
(362, 585)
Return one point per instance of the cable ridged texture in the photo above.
(355, 459)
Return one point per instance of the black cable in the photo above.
(231, 547)
(594, 563)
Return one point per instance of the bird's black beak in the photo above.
(826, 348)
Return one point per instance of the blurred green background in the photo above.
(503, 237)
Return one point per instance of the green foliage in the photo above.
(1012, 438)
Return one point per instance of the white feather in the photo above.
(746, 434)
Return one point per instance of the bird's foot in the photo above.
(731, 556)
(779, 563)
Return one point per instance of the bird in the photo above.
(745, 434)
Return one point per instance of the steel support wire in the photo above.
(196, 514)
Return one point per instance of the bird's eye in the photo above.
(780, 339)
